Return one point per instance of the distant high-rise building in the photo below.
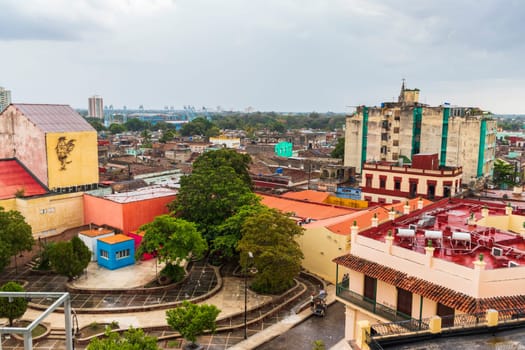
(96, 107)
(5, 98)
(461, 136)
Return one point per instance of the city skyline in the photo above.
(286, 55)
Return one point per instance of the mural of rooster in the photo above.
(63, 150)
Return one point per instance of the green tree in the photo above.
(224, 246)
(339, 150)
(132, 339)
(15, 236)
(12, 308)
(504, 173)
(207, 197)
(167, 135)
(96, 123)
(116, 128)
(172, 238)
(191, 320)
(69, 258)
(270, 236)
(225, 157)
(199, 126)
(135, 124)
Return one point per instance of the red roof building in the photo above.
(16, 180)
(451, 257)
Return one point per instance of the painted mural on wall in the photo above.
(63, 150)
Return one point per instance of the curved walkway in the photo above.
(265, 312)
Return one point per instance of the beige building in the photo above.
(474, 263)
(383, 182)
(396, 131)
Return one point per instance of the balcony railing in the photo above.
(371, 305)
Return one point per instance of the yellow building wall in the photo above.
(8, 204)
(347, 202)
(72, 159)
(49, 215)
(320, 246)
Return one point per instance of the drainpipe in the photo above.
(420, 311)
(375, 295)
(337, 291)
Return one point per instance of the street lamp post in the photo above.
(250, 256)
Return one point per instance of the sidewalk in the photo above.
(279, 328)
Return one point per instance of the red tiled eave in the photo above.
(429, 290)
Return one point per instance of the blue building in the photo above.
(116, 251)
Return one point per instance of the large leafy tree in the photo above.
(339, 150)
(69, 258)
(191, 320)
(504, 173)
(225, 157)
(209, 196)
(269, 236)
(172, 238)
(12, 308)
(200, 126)
(132, 339)
(224, 246)
(15, 236)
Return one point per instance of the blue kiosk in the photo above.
(114, 252)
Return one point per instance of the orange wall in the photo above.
(101, 211)
(126, 217)
(143, 212)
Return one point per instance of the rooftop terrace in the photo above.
(459, 231)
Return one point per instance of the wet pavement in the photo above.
(329, 329)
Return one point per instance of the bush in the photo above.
(173, 272)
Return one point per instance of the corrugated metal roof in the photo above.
(54, 118)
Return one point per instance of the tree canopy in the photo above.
(132, 339)
(200, 126)
(191, 320)
(69, 258)
(209, 196)
(269, 236)
(339, 150)
(12, 308)
(505, 173)
(225, 157)
(15, 236)
(172, 238)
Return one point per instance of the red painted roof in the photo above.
(451, 216)
(14, 177)
(303, 209)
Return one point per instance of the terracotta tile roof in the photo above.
(54, 118)
(303, 209)
(308, 195)
(429, 290)
(14, 177)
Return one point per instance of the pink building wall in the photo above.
(21, 139)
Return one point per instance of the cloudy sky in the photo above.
(280, 55)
